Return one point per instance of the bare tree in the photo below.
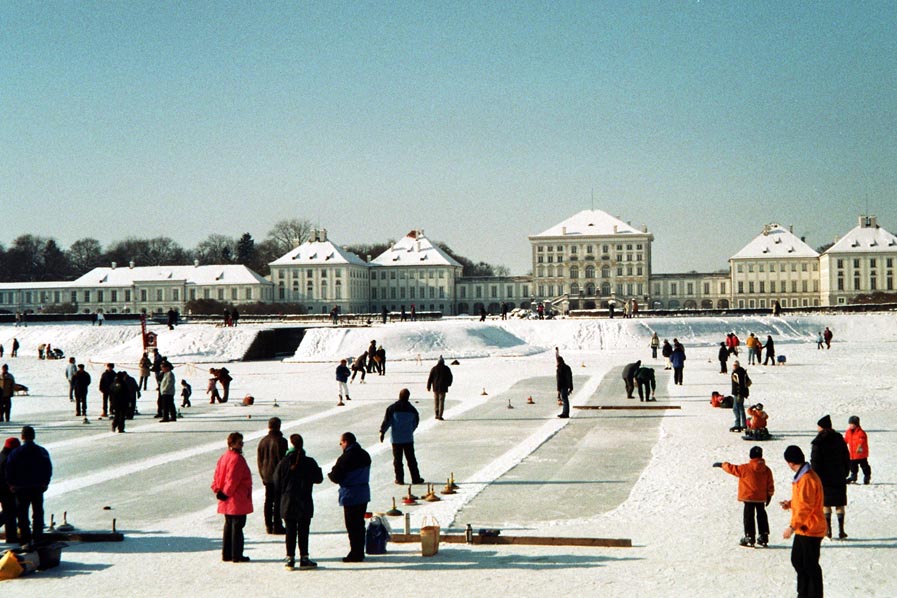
(85, 255)
(286, 234)
(216, 249)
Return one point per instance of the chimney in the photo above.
(322, 234)
(615, 229)
(131, 264)
(367, 257)
(563, 230)
(114, 265)
(196, 263)
(791, 228)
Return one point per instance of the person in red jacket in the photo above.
(755, 490)
(858, 445)
(232, 486)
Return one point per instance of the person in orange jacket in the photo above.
(755, 490)
(757, 422)
(858, 445)
(807, 523)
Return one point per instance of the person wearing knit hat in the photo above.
(858, 447)
(807, 523)
(7, 498)
(830, 459)
(755, 490)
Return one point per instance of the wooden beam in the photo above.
(627, 407)
(520, 540)
(79, 536)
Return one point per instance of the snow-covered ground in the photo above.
(609, 474)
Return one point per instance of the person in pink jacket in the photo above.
(232, 486)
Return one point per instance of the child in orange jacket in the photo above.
(858, 445)
(757, 423)
(755, 490)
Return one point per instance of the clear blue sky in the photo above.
(480, 122)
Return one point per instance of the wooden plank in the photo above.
(520, 540)
(627, 407)
(77, 536)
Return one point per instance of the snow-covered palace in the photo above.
(585, 262)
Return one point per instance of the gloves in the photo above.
(221, 495)
(381, 436)
(717, 464)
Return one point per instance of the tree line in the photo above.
(33, 258)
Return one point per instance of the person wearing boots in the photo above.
(858, 446)
(564, 376)
(271, 450)
(232, 485)
(755, 490)
(830, 459)
(352, 471)
(807, 523)
(741, 383)
(7, 498)
(294, 479)
(28, 473)
(402, 419)
(723, 357)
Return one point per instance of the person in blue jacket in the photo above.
(342, 378)
(402, 418)
(677, 358)
(352, 471)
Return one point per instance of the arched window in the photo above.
(605, 271)
(590, 271)
(605, 289)
(574, 289)
(574, 272)
(590, 289)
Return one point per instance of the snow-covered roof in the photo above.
(868, 237)
(590, 223)
(199, 275)
(775, 242)
(318, 253)
(415, 249)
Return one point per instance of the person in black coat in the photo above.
(7, 498)
(723, 357)
(565, 385)
(118, 402)
(106, 380)
(80, 385)
(439, 381)
(28, 473)
(294, 479)
(629, 377)
(770, 351)
(830, 459)
(741, 384)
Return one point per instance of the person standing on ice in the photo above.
(7, 498)
(167, 388)
(143, 368)
(352, 471)
(807, 523)
(342, 379)
(858, 447)
(70, 370)
(7, 388)
(826, 335)
(28, 473)
(830, 459)
(667, 352)
(677, 360)
(81, 382)
(629, 371)
(269, 453)
(755, 490)
(741, 383)
(564, 384)
(232, 485)
(770, 351)
(647, 384)
(655, 343)
(402, 419)
(439, 381)
(106, 380)
(294, 480)
(723, 356)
